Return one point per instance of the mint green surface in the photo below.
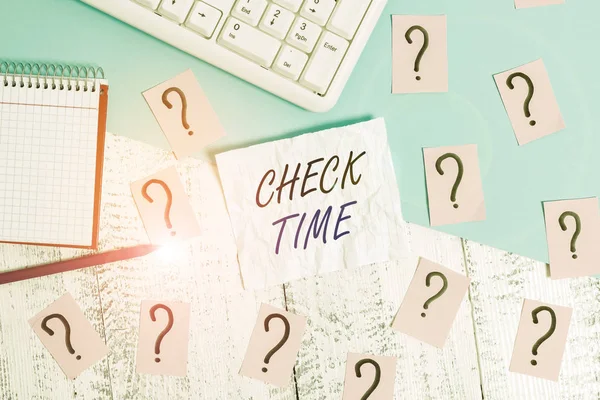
(484, 37)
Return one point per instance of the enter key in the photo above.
(323, 64)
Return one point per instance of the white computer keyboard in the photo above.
(300, 50)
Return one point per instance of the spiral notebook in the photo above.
(52, 131)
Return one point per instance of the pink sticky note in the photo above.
(541, 339)
(68, 336)
(419, 54)
(164, 207)
(369, 376)
(454, 189)
(273, 346)
(184, 114)
(572, 232)
(536, 3)
(163, 338)
(530, 104)
(431, 303)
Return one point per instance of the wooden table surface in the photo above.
(347, 311)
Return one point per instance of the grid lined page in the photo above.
(48, 140)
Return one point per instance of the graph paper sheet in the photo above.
(51, 149)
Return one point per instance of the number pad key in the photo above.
(318, 11)
(304, 34)
(347, 17)
(324, 62)
(249, 11)
(249, 42)
(292, 5)
(290, 62)
(277, 21)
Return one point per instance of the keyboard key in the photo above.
(290, 62)
(292, 5)
(347, 16)
(324, 62)
(249, 42)
(153, 4)
(304, 34)
(317, 11)
(223, 5)
(204, 19)
(277, 21)
(176, 10)
(249, 11)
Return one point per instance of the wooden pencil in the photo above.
(76, 263)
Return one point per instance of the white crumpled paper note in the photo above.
(351, 185)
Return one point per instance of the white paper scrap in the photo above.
(313, 204)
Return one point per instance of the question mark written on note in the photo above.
(423, 47)
(169, 200)
(530, 91)
(164, 332)
(459, 175)
(65, 323)
(284, 339)
(377, 379)
(534, 315)
(167, 103)
(439, 293)
(563, 226)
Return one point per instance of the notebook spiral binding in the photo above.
(50, 76)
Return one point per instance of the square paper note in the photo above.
(68, 336)
(369, 377)
(541, 339)
(572, 232)
(536, 3)
(184, 114)
(529, 101)
(419, 54)
(454, 189)
(273, 346)
(431, 303)
(164, 336)
(165, 207)
(313, 204)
